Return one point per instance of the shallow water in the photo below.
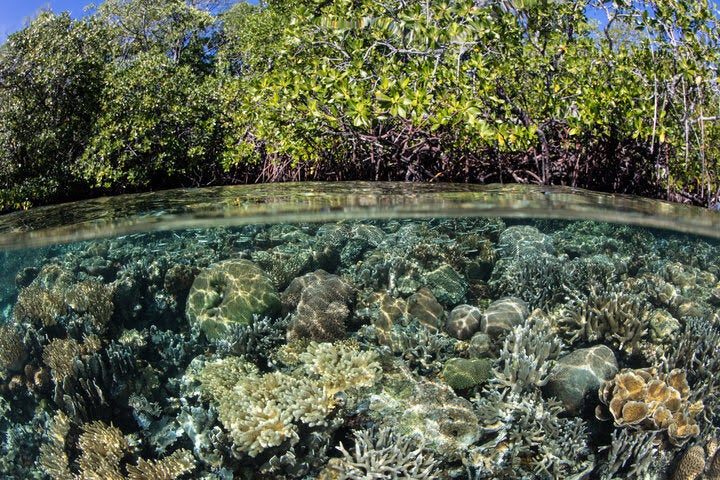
(360, 331)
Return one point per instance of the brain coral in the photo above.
(322, 303)
(645, 400)
(231, 291)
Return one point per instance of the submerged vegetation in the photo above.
(139, 95)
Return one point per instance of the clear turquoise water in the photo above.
(359, 331)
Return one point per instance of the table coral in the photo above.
(645, 400)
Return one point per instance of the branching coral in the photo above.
(263, 410)
(103, 453)
(526, 354)
(382, 454)
(12, 349)
(614, 316)
(526, 438)
(39, 305)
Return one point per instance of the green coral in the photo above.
(464, 373)
(231, 291)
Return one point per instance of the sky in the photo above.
(15, 13)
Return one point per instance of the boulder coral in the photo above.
(463, 373)
(321, 303)
(230, 291)
(643, 399)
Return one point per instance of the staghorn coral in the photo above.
(642, 399)
(12, 349)
(526, 356)
(263, 410)
(254, 342)
(525, 438)
(382, 454)
(631, 454)
(613, 316)
(423, 350)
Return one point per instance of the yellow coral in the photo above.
(169, 468)
(59, 355)
(643, 399)
(262, 410)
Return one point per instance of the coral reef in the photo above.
(462, 349)
(642, 399)
(228, 292)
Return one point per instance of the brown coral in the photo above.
(322, 303)
(12, 350)
(39, 305)
(691, 464)
(645, 400)
(59, 355)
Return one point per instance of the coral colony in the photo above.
(419, 349)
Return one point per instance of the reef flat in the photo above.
(463, 348)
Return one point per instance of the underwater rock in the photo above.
(504, 314)
(447, 285)
(423, 306)
(579, 374)
(322, 303)
(231, 291)
(464, 373)
(643, 399)
(463, 321)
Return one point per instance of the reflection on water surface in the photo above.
(395, 332)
